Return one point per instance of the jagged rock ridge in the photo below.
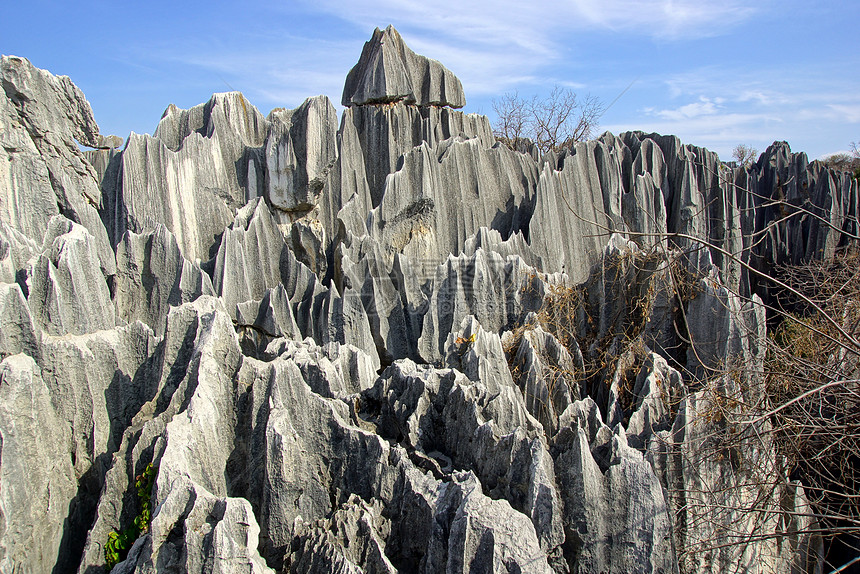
(341, 346)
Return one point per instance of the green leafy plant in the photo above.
(119, 543)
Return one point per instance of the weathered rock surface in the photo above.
(824, 201)
(253, 258)
(440, 197)
(447, 421)
(190, 176)
(301, 149)
(241, 441)
(15, 251)
(377, 135)
(546, 373)
(194, 329)
(388, 71)
(98, 383)
(593, 470)
(712, 490)
(498, 292)
(390, 344)
(152, 276)
(67, 292)
(394, 319)
(37, 480)
(232, 124)
(44, 173)
(183, 189)
(18, 333)
(576, 208)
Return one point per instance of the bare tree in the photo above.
(745, 155)
(551, 123)
(840, 161)
(512, 122)
(855, 151)
(849, 161)
(787, 422)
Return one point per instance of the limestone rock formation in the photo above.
(37, 482)
(67, 292)
(390, 343)
(434, 202)
(152, 275)
(593, 469)
(378, 134)
(498, 292)
(388, 71)
(570, 229)
(546, 375)
(15, 251)
(44, 118)
(19, 334)
(300, 151)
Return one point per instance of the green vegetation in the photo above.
(119, 543)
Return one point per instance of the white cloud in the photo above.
(272, 72)
(492, 46)
(850, 112)
(667, 19)
(527, 25)
(814, 87)
(482, 41)
(814, 108)
(757, 96)
(704, 107)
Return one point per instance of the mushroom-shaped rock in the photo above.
(388, 71)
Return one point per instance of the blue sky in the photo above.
(715, 73)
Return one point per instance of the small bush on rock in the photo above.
(119, 543)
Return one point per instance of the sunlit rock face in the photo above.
(388, 71)
(384, 342)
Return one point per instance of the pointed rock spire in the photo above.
(388, 71)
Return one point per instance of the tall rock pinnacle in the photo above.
(388, 71)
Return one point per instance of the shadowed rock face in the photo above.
(370, 346)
